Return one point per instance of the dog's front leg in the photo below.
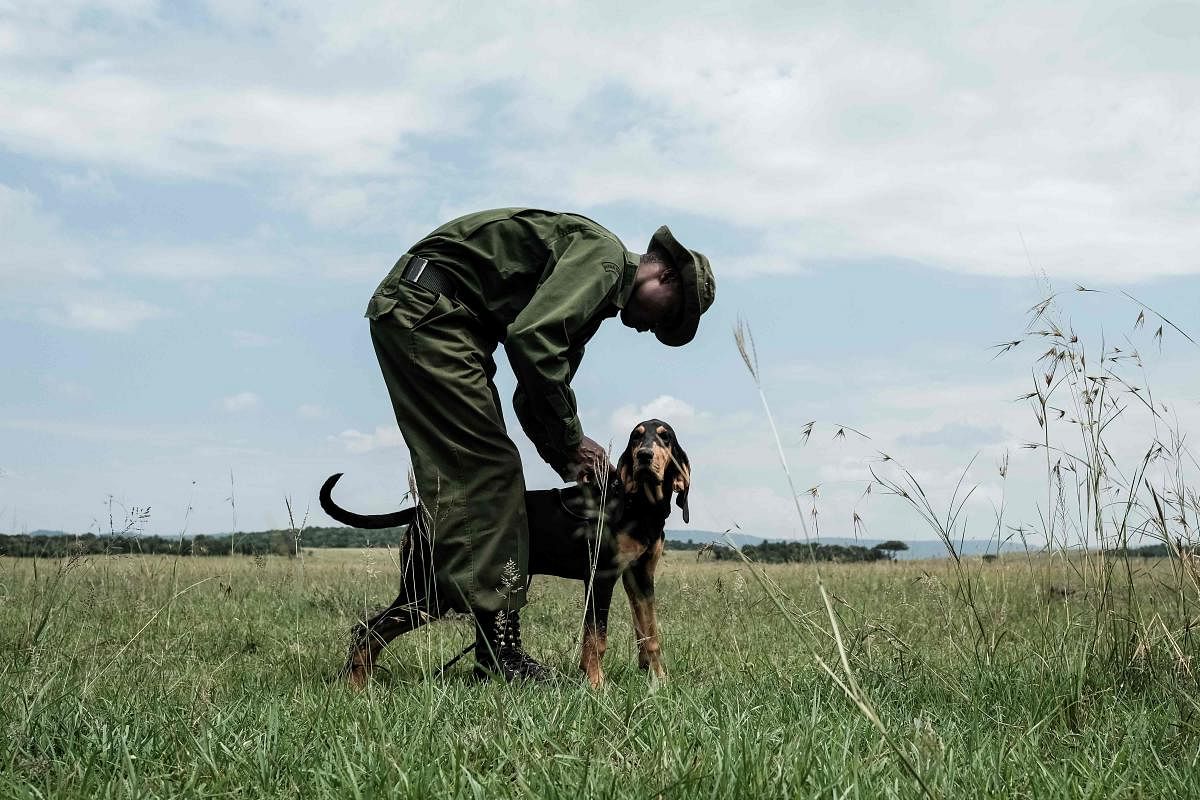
(639, 585)
(597, 599)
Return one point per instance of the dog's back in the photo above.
(568, 536)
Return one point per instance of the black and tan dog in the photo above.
(568, 537)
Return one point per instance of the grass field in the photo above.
(1065, 674)
(207, 677)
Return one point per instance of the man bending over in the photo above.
(541, 283)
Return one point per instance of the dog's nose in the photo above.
(644, 456)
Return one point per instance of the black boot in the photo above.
(498, 649)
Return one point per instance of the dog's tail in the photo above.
(392, 520)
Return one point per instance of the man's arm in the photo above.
(542, 341)
(531, 418)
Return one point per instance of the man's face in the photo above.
(652, 303)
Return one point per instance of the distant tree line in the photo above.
(788, 552)
(274, 542)
(1153, 551)
(284, 543)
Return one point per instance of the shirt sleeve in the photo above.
(544, 344)
(530, 416)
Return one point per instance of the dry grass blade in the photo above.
(745, 346)
(807, 430)
(1004, 347)
(841, 432)
(1168, 322)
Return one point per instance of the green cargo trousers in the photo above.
(437, 362)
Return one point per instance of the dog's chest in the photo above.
(629, 548)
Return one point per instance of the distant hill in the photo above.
(916, 549)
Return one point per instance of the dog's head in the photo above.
(653, 463)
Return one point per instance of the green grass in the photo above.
(109, 688)
(1062, 675)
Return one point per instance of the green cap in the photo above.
(699, 287)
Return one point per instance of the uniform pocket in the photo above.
(409, 305)
(378, 306)
(386, 294)
(441, 307)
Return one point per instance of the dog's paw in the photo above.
(356, 675)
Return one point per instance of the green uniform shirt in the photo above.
(541, 283)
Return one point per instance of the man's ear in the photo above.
(682, 482)
(625, 471)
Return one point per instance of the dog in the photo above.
(597, 534)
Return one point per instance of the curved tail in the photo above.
(392, 520)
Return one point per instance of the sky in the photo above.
(197, 198)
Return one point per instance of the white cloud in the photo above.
(753, 509)
(823, 134)
(310, 411)
(799, 137)
(385, 436)
(670, 409)
(57, 276)
(89, 182)
(100, 312)
(35, 245)
(170, 437)
(242, 401)
(843, 146)
(99, 113)
(48, 273)
(199, 261)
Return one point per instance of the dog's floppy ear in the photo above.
(625, 470)
(682, 482)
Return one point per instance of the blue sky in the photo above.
(197, 198)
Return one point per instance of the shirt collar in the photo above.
(627, 275)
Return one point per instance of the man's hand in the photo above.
(588, 464)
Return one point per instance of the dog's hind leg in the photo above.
(370, 637)
(409, 611)
(598, 599)
(639, 585)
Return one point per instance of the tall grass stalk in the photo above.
(846, 681)
(1116, 507)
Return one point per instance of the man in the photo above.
(541, 283)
